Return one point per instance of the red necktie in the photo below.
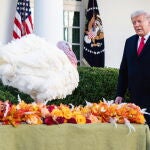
(141, 45)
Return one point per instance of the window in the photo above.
(73, 21)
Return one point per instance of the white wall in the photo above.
(117, 26)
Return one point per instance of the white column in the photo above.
(48, 19)
(7, 11)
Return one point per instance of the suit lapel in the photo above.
(135, 45)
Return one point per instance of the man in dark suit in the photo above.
(134, 72)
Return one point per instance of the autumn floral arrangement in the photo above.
(102, 112)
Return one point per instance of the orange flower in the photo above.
(94, 119)
(33, 119)
(95, 109)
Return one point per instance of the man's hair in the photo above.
(140, 12)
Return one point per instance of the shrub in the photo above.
(95, 84)
(11, 94)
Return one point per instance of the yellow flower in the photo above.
(67, 113)
(80, 119)
(85, 110)
(140, 119)
(57, 113)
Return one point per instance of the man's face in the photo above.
(141, 25)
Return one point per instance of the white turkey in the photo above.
(38, 68)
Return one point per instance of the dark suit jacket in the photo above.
(134, 72)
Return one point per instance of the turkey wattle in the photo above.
(37, 68)
(65, 46)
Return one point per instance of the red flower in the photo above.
(50, 107)
(88, 120)
(60, 120)
(49, 121)
(72, 120)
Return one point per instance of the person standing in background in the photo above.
(134, 72)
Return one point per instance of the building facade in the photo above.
(65, 20)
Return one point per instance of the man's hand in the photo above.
(118, 99)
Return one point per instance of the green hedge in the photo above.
(95, 84)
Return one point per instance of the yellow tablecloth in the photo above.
(74, 137)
